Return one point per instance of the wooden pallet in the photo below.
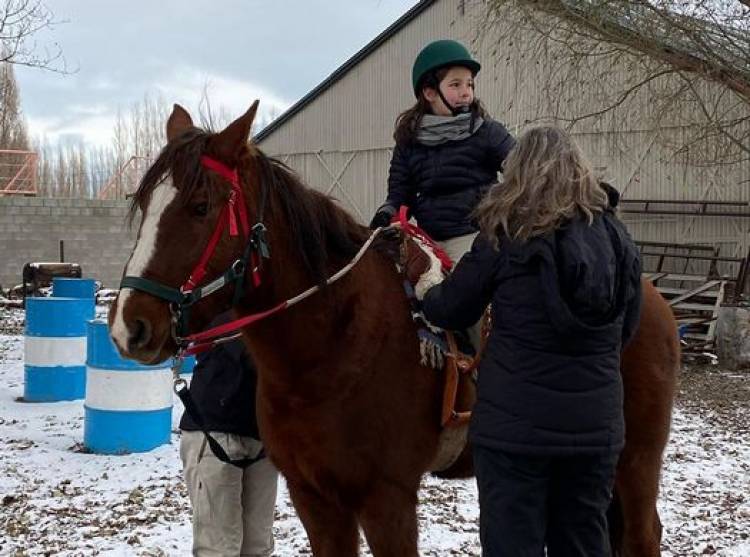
(696, 307)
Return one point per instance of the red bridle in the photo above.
(234, 209)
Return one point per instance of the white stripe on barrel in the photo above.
(130, 391)
(55, 351)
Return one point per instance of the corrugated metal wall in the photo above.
(341, 142)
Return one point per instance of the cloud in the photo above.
(239, 50)
(94, 123)
(91, 129)
(232, 96)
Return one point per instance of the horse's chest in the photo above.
(298, 438)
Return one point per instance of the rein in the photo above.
(204, 340)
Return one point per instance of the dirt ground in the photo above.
(722, 397)
(56, 500)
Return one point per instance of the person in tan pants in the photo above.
(233, 506)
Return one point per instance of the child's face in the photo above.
(457, 87)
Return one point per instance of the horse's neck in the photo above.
(303, 338)
(305, 333)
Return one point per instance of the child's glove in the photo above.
(382, 217)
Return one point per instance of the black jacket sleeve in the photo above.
(400, 183)
(459, 301)
(500, 143)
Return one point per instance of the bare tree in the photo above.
(658, 63)
(20, 22)
(265, 120)
(45, 175)
(78, 170)
(210, 117)
(13, 133)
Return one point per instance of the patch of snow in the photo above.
(55, 499)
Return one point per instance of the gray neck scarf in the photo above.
(435, 130)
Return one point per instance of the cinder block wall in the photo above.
(96, 235)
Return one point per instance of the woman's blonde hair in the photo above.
(547, 181)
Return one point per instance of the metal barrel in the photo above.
(73, 287)
(186, 368)
(128, 407)
(55, 348)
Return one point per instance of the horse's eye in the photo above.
(200, 210)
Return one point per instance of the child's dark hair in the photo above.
(408, 121)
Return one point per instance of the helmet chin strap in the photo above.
(455, 111)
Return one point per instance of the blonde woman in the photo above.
(563, 277)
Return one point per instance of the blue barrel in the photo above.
(55, 348)
(128, 407)
(73, 287)
(186, 368)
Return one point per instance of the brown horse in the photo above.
(346, 410)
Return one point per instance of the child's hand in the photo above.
(382, 217)
(389, 242)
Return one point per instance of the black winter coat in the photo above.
(442, 184)
(563, 305)
(223, 388)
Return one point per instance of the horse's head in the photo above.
(181, 199)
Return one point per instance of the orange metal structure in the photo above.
(125, 181)
(18, 172)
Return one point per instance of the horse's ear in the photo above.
(228, 143)
(179, 122)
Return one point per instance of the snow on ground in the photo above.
(57, 500)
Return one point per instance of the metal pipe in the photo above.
(689, 213)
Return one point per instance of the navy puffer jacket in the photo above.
(442, 184)
(563, 305)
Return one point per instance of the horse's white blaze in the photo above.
(143, 251)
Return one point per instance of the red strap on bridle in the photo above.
(413, 230)
(234, 208)
(200, 342)
(237, 200)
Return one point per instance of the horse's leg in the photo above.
(648, 405)
(389, 520)
(331, 529)
(637, 486)
(650, 365)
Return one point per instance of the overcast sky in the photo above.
(275, 50)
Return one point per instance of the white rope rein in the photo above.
(341, 272)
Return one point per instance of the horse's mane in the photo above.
(322, 232)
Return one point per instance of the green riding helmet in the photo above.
(439, 54)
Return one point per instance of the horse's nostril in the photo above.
(140, 334)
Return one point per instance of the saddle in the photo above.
(425, 264)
